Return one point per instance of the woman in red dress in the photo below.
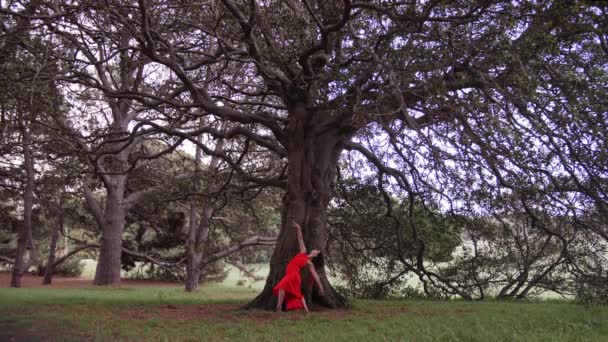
(289, 289)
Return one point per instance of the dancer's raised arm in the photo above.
(300, 237)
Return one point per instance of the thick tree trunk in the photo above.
(108, 264)
(50, 264)
(19, 266)
(314, 147)
(197, 239)
(25, 234)
(48, 271)
(193, 271)
(19, 260)
(198, 233)
(111, 221)
(193, 263)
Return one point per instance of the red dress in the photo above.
(291, 282)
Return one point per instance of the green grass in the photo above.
(212, 314)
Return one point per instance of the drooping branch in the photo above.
(252, 241)
(93, 204)
(73, 252)
(244, 269)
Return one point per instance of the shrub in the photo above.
(592, 289)
(69, 268)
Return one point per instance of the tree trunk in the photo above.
(111, 157)
(108, 264)
(199, 231)
(193, 271)
(111, 221)
(48, 271)
(313, 150)
(50, 264)
(198, 235)
(25, 234)
(19, 266)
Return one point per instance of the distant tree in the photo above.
(99, 62)
(511, 254)
(377, 241)
(28, 93)
(194, 220)
(56, 199)
(507, 256)
(9, 225)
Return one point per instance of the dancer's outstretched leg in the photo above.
(280, 300)
(304, 305)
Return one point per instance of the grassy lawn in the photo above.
(167, 313)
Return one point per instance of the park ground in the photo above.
(72, 309)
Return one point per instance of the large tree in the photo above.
(28, 94)
(97, 62)
(443, 98)
(448, 101)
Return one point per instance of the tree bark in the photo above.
(108, 264)
(50, 264)
(193, 271)
(194, 245)
(198, 233)
(111, 221)
(316, 141)
(25, 234)
(48, 271)
(197, 238)
(110, 159)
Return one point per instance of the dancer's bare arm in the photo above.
(300, 238)
(315, 276)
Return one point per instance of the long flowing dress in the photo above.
(292, 282)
